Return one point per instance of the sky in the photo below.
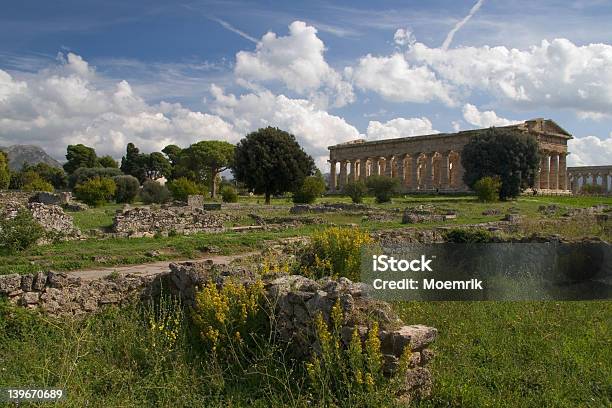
(105, 73)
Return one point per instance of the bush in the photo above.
(353, 374)
(20, 232)
(5, 173)
(154, 193)
(487, 189)
(382, 187)
(335, 252)
(467, 236)
(38, 184)
(312, 187)
(96, 191)
(356, 190)
(229, 315)
(83, 174)
(182, 187)
(229, 194)
(127, 188)
(592, 189)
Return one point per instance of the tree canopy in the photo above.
(5, 174)
(203, 161)
(80, 155)
(145, 166)
(507, 154)
(270, 161)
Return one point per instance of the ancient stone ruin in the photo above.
(51, 218)
(148, 221)
(294, 301)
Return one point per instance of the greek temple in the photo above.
(432, 163)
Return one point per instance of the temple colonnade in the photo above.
(591, 175)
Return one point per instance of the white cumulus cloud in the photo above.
(315, 129)
(589, 151)
(489, 118)
(395, 79)
(555, 74)
(399, 127)
(69, 103)
(296, 60)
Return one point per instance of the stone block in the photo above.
(195, 201)
(10, 283)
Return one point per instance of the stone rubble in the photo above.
(147, 221)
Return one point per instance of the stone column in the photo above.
(353, 173)
(400, 170)
(544, 171)
(389, 166)
(429, 174)
(562, 171)
(459, 174)
(414, 168)
(342, 181)
(553, 177)
(363, 169)
(332, 176)
(445, 170)
(376, 166)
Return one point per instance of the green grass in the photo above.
(488, 354)
(518, 354)
(95, 217)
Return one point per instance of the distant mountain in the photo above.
(20, 154)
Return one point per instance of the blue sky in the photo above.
(158, 72)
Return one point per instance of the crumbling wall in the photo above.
(147, 221)
(51, 218)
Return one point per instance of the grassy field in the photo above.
(95, 252)
(489, 354)
(518, 354)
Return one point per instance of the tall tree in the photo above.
(270, 161)
(132, 164)
(508, 154)
(156, 165)
(173, 153)
(206, 160)
(108, 161)
(80, 156)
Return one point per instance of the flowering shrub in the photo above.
(228, 316)
(352, 375)
(336, 252)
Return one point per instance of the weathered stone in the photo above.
(29, 298)
(512, 218)
(40, 280)
(417, 337)
(144, 221)
(62, 280)
(195, 201)
(26, 282)
(9, 283)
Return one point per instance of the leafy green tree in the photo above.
(270, 161)
(507, 154)
(312, 188)
(145, 166)
(80, 156)
(154, 193)
(382, 187)
(54, 175)
(156, 165)
(108, 161)
(127, 188)
(356, 190)
(96, 191)
(132, 164)
(83, 174)
(182, 187)
(172, 152)
(205, 160)
(5, 174)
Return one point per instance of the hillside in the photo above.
(20, 154)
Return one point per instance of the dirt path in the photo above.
(152, 268)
